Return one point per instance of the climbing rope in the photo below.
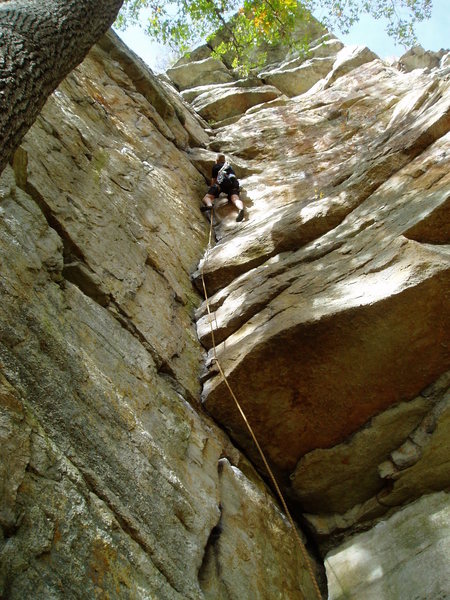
(249, 427)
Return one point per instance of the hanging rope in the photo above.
(249, 427)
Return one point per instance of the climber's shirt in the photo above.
(227, 181)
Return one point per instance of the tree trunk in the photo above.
(41, 41)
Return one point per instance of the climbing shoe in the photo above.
(205, 208)
(240, 215)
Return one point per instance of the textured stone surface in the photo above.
(192, 122)
(121, 169)
(161, 108)
(405, 556)
(311, 189)
(230, 558)
(110, 483)
(201, 72)
(347, 59)
(335, 479)
(330, 308)
(330, 304)
(418, 58)
(191, 93)
(197, 54)
(218, 104)
(299, 74)
(87, 388)
(297, 80)
(416, 466)
(326, 46)
(285, 351)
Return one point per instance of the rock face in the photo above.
(218, 103)
(406, 562)
(330, 303)
(330, 310)
(418, 58)
(114, 482)
(201, 72)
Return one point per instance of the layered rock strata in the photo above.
(115, 483)
(410, 561)
(329, 306)
(330, 303)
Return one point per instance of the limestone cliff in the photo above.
(330, 307)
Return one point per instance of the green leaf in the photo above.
(236, 28)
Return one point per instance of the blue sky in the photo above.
(433, 34)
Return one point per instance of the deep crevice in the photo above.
(210, 559)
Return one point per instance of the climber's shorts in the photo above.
(214, 190)
(233, 188)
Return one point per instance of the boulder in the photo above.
(195, 55)
(325, 47)
(328, 46)
(347, 59)
(202, 72)
(299, 74)
(418, 58)
(297, 80)
(191, 93)
(217, 104)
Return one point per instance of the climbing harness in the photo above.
(249, 427)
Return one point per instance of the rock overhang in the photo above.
(343, 255)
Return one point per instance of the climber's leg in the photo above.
(208, 200)
(239, 205)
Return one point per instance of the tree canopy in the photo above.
(180, 23)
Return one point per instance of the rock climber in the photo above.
(223, 180)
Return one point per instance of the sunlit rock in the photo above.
(418, 58)
(110, 476)
(329, 303)
(201, 72)
(402, 557)
(329, 306)
(297, 80)
(191, 93)
(347, 59)
(218, 104)
(298, 75)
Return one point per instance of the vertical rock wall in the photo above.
(330, 302)
(330, 309)
(114, 481)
